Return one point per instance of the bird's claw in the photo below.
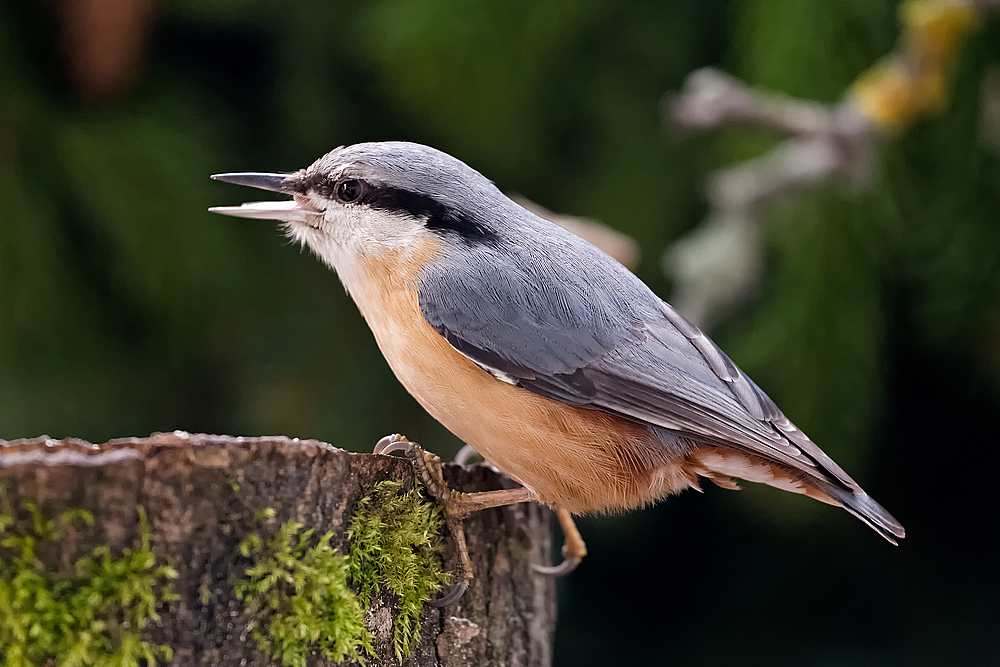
(452, 596)
(573, 551)
(467, 453)
(560, 570)
(428, 469)
(392, 443)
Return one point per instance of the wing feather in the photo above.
(541, 325)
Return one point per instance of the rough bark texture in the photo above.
(201, 492)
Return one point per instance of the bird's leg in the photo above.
(456, 504)
(429, 469)
(574, 548)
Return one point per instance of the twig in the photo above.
(718, 266)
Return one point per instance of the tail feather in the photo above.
(721, 464)
(861, 505)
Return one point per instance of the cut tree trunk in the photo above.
(200, 494)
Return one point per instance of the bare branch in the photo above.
(711, 98)
(819, 142)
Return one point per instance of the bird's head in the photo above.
(376, 196)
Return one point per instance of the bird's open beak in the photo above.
(288, 211)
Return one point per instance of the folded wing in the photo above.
(601, 339)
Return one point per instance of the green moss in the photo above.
(93, 617)
(396, 546)
(299, 592)
(204, 593)
(298, 598)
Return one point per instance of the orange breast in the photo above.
(581, 459)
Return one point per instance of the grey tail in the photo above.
(861, 505)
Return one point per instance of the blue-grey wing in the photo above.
(564, 320)
(596, 336)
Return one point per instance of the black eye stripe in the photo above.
(437, 216)
(318, 183)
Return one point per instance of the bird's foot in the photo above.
(456, 505)
(426, 464)
(574, 548)
(428, 469)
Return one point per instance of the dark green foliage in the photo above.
(91, 618)
(396, 546)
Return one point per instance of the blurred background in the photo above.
(126, 308)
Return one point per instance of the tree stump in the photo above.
(201, 494)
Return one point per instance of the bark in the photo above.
(200, 493)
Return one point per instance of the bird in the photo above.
(549, 358)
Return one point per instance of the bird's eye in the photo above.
(349, 190)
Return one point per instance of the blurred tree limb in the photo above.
(103, 42)
(719, 265)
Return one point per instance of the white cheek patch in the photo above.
(342, 232)
(364, 228)
(394, 230)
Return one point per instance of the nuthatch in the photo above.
(552, 360)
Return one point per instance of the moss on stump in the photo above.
(256, 551)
